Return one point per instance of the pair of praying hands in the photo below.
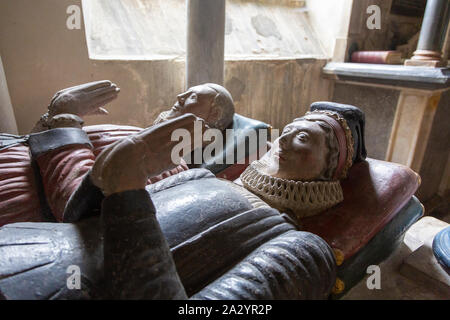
(70, 105)
(128, 163)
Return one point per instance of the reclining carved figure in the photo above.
(20, 190)
(274, 259)
(210, 238)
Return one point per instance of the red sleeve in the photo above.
(19, 200)
(102, 136)
(62, 171)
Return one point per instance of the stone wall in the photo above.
(379, 105)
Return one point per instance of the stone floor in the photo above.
(395, 285)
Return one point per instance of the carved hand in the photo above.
(85, 99)
(128, 163)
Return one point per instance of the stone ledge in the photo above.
(392, 75)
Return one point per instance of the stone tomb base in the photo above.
(402, 275)
(421, 265)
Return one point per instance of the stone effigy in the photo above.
(193, 229)
(209, 101)
(301, 173)
(21, 196)
(68, 106)
(215, 239)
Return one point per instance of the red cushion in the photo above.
(374, 192)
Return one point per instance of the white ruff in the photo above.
(298, 198)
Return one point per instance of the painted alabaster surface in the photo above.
(295, 175)
(209, 225)
(131, 232)
(208, 101)
(69, 105)
(67, 109)
(127, 164)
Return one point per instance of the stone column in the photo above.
(205, 41)
(432, 35)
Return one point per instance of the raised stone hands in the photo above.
(85, 99)
(128, 163)
(69, 105)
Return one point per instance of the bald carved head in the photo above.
(208, 101)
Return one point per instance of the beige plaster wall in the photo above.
(41, 56)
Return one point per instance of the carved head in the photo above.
(315, 147)
(208, 101)
(300, 175)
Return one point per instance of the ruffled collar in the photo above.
(297, 198)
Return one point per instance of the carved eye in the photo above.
(193, 97)
(286, 130)
(302, 136)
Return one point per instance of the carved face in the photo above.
(300, 153)
(197, 100)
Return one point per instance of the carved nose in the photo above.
(180, 100)
(284, 140)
